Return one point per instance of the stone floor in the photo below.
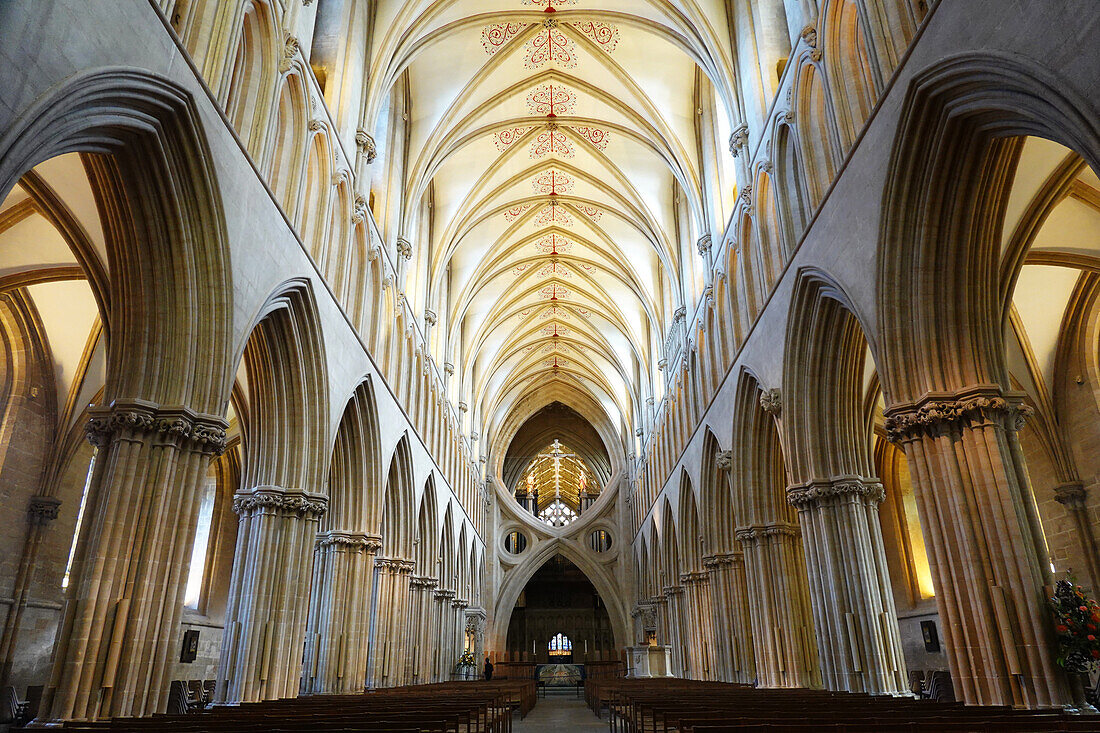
(559, 714)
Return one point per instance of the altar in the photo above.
(559, 675)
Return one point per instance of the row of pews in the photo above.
(448, 707)
(687, 706)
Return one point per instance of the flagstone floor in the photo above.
(559, 714)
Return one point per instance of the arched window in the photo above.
(560, 645)
(79, 519)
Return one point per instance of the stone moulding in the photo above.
(277, 500)
(135, 418)
(760, 531)
(349, 541)
(938, 412)
(843, 487)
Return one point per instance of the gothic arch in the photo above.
(535, 558)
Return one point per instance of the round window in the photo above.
(515, 542)
(600, 540)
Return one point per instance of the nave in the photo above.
(349, 346)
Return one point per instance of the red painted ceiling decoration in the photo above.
(605, 35)
(496, 36)
(504, 139)
(552, 141)
(553, 244)
(554, 291)
(517, 211)
(553, 214)
(594, 135)
(551, 100)
(550, 44)
(553, 268)
(591, 212)
(548, 6)
(552, 182)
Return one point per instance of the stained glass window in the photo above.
(560, 644)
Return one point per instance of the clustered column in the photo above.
(672, 607)
(121, 623)
(391, 627)
(338, 633)
(421, 588)
(859, 646)
(41, 511)
(443, 662)
(985, 544)
(730, 609)
(269, 593)
(779, 609)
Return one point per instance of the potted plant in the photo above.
(466, 668)
(1077, 625)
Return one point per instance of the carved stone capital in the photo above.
(758, 532)
(290, 50)
(843, 487)
(423, 582)
(353, 542)
(395, 565)
(277, 500)
(1072, 495)
(404, 248)
(939, 412)
(724, 460)
(43, 509)
(771, 401)
(720, 559)
(140, 420)
(365, 143)
(739, 139)
(703, 245)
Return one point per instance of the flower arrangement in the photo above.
(1077, 624)
(467, 659)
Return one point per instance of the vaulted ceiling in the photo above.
(554, 187)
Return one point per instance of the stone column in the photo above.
(458, 628)
(269, 594)
(984, 542)
(1074, 498)
(421, 589)
(41, 511)
(674, 603)
(859, 646)
(121, 624)
(391, 621)
(730, 610)
(444, 617)
(779, 609)
(338, 633)
(697, 601)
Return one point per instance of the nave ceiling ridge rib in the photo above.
(555, 125)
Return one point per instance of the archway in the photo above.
(559, 618)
